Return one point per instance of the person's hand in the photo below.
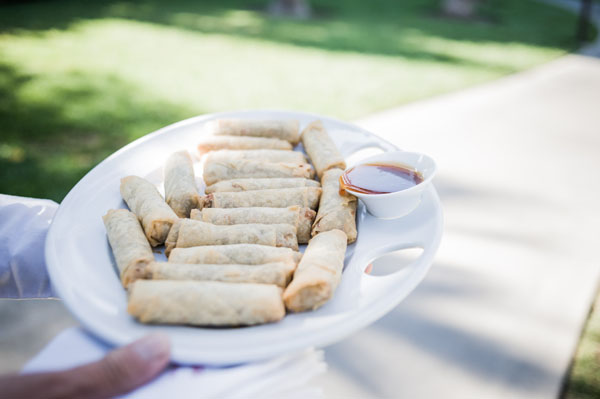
(119, 372)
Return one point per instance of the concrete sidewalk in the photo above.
(501, 312)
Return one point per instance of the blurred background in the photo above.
(81, 79)
(78, 80)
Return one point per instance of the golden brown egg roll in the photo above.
(255, 155)
(205, 303)
(281, 129)
(213, 143)
(215, 171)
(194, 233)
(246, 254)
(260, 184)
(336, 210)
(149, 206)
(278, 274)
(181, 192)
(306, 197)
(129, 245)
(318, 273)
(301, 218)
(321, 150)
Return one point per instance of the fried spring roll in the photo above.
(256, 155)
(260, 184)
(318, 273)
(301, 218)
(321, 150)
(197, 234)
(280, 129)
(306, 197)
(171, 240)
(129, 245)
(212, 143)
(149, 206)
(336, 210)
(278, 274)
(193, 233)
(205, 303)
(180, 185)
(246, 254)
(215, 171)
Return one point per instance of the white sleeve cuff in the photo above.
(23, 227)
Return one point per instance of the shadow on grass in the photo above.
(49, 142)
(376, 27)
(583, 388)
(51, 136)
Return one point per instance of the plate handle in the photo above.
(350, 148)
(420, 229)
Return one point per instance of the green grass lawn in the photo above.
(584, 380)
(79, 79)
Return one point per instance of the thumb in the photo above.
(123, 369)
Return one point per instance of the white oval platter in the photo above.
(83, 273)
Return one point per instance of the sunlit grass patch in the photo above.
(584, 381)
(79, 80)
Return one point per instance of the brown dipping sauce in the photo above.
(375, 178)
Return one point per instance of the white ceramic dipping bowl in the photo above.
(400, 203)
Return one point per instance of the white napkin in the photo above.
(283, 377)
